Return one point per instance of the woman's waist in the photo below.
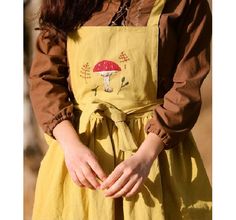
(105, 116)
(100, 115)
(130, 108)
(98, 109)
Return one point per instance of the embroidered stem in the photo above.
(106, 80)
(95, 90)
(123, 84)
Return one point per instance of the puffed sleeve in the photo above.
(181, 107)
(48, 81)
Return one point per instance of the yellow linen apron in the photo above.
(113, 73)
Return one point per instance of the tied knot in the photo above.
(115, 114)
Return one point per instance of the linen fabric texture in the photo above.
(115, 83)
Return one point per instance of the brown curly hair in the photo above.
(67, 15)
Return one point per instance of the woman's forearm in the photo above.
(151, 147)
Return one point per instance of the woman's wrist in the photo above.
(66, 135)
(151, 147)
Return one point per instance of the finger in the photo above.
(83, 179)
(118, 185)
(97, 169)
(75, 179)
(126, 187)
(115, 175)
(123, 183)
(134, 189)
(90, 176)
(124, 190)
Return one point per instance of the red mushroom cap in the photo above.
(106, 65)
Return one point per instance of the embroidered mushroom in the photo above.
(106, 68)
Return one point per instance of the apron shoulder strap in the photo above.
(156, 12)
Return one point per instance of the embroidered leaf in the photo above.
(85, 72)
(122, 84)
(123, 58)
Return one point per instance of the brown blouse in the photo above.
(184, 62)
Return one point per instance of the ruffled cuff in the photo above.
(64, 114)
(152, 126)
(169, 138)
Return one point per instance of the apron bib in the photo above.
(114, 78)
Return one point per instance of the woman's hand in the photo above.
(129, 175)
(83, 167)
(81, 162)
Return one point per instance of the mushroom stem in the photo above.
(106, 81)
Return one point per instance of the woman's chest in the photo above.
(138, 14)
(127, 12)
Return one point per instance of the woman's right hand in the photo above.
(81, 162)
(83, 167)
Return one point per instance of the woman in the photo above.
(115, 85)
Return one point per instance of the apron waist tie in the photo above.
(117, 116)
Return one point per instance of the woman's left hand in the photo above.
(128, 176)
